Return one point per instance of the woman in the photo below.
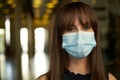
(75, 51)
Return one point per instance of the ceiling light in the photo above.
(9, 1)
(50, 5)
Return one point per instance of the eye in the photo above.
(72, 28)
(87, 27)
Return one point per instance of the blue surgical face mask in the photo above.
(79, 44)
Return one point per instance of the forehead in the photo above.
(76, 22)
(78, 17)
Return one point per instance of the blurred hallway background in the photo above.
(25, 36)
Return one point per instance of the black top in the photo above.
(71, 76)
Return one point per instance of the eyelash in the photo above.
(87, 27)
(71, 29)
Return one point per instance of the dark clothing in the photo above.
(71, 76)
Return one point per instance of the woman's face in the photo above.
(78, 27)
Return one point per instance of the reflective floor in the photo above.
(38, 66)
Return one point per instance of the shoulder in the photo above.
(43, 77)
(111, 76)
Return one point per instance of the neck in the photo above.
(79, 66)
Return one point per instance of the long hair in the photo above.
(59, 59)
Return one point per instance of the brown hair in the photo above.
(58, 57)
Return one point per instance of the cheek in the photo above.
(91, 30)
